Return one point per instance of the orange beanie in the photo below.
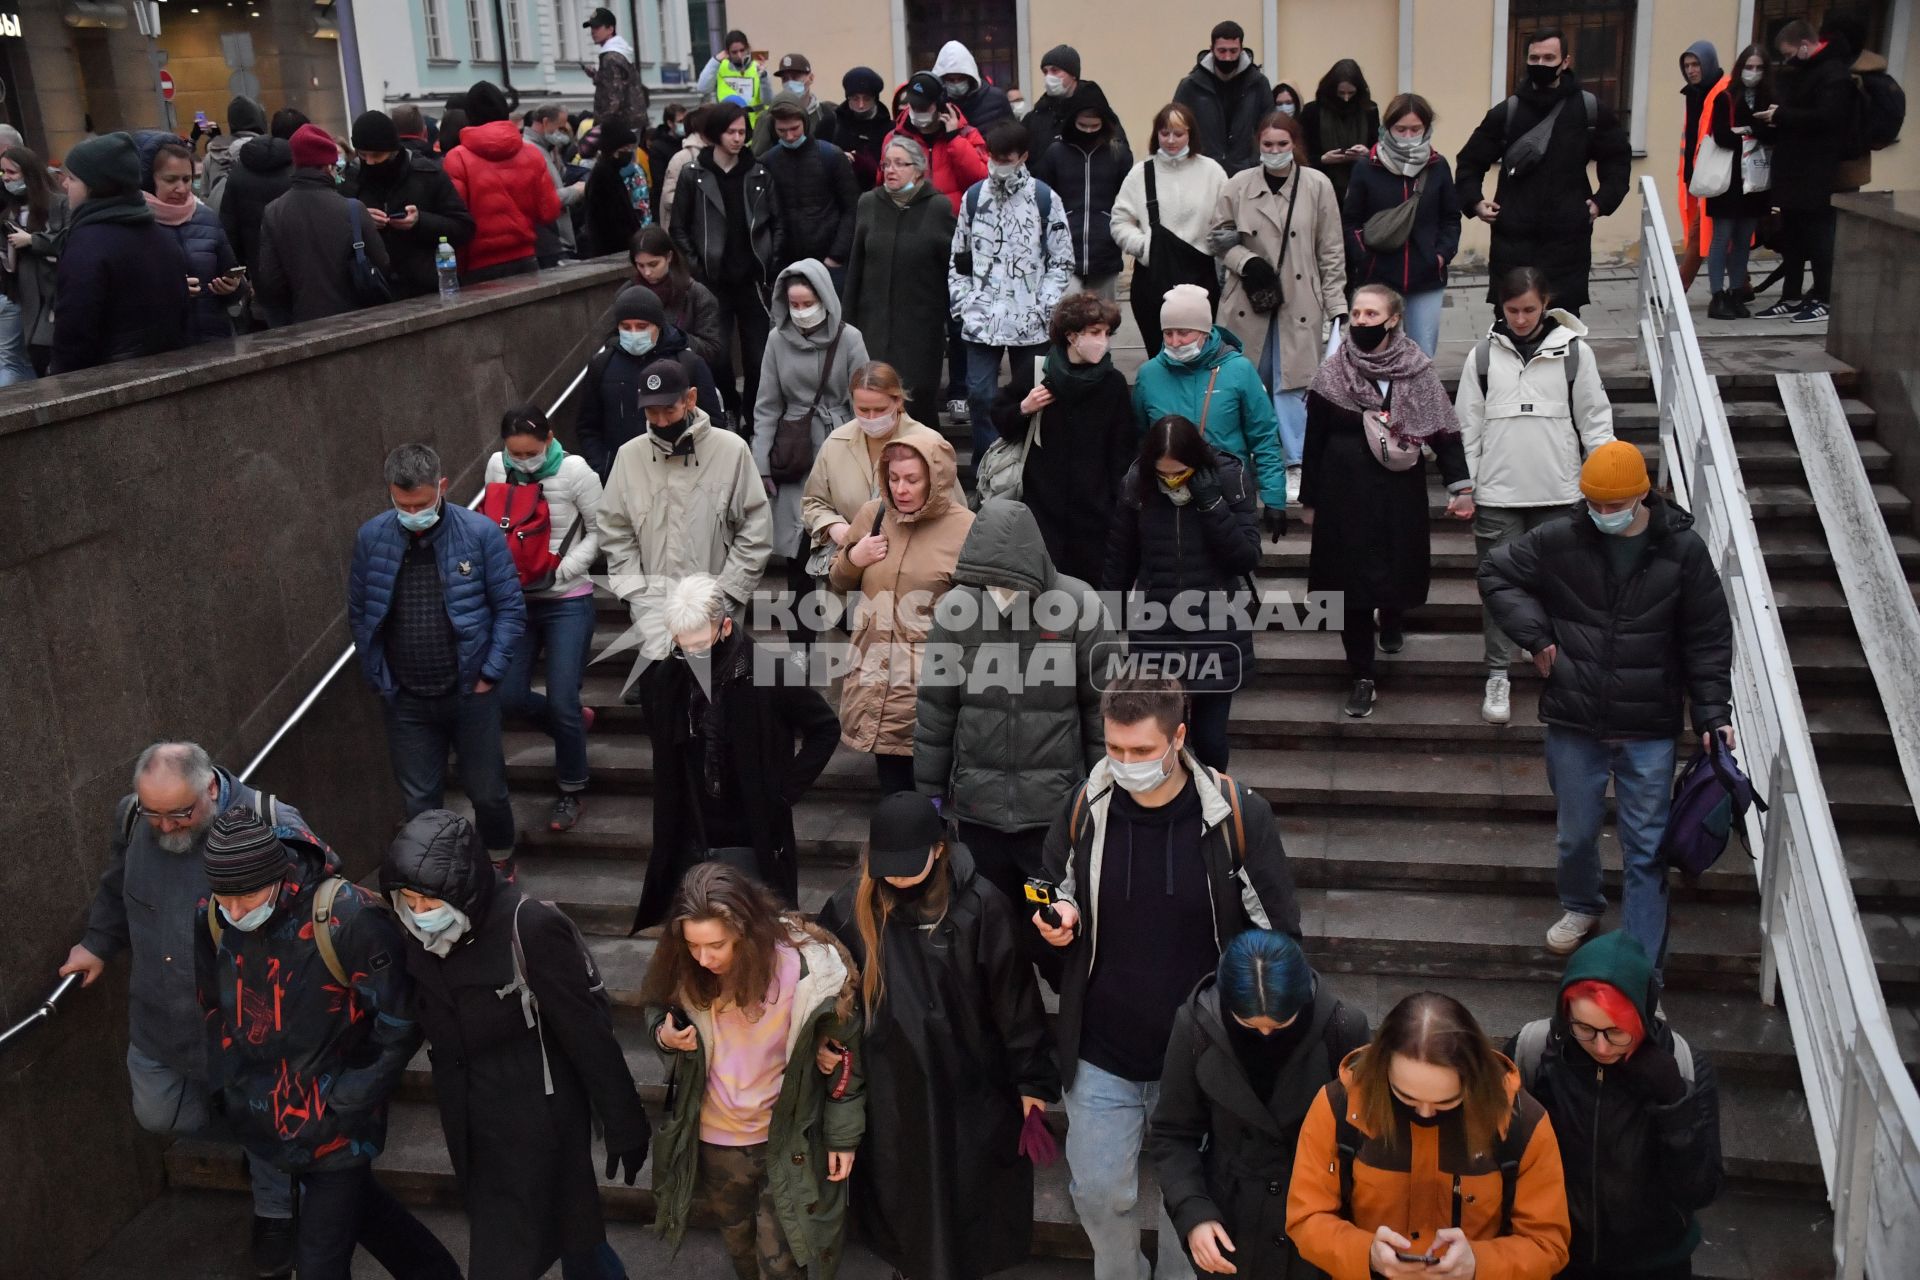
(1613, 472)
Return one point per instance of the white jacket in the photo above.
(665, 516)
(1021, 269)
(1524, 441)
(573, 495)
(1188, 190)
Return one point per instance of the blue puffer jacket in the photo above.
(204, 242)
(483, 596)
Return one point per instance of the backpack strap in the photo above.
(1483, 361)
(1043, 197)
(1508, 1152)
(1236, 847)
(1153, 199)
(1073, 822)
(1347, 1140)
(972, 201)
(1683, 1055)
(529, 1006)
(323, 926)
(125, 818)
(1529, 1047)
(213, 921)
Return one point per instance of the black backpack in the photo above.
(1507, 1152)
(1883, 109)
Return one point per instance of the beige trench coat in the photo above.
(1313, 280)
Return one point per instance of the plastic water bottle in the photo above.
(448, 268)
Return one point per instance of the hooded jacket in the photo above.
(823, 124)
(1815, 127)
(618, 89)
(1233, 410)
(1051, 119)
(817, 193)
(1637, 1172)
(956, 158)
(843, 480)
(1013, 721)
(1629, 653)
(695, 507)
(556, 237)
(699, 225)
(505, 185)
(1086, 172)
(897, 287)
(203, 243)
(1524, 438)
(1021, 262)
(306, 1065)
(306, 251)
(879, 697)
(417, 180)
(609, 412)
(262, 175)
(794, 377)
(986, 104)
(246, 120)
(1228, 112)
(120, 291)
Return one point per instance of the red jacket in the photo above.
(508, 189)
(957, 160)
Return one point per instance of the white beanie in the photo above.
(1186, 306)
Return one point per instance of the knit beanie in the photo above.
(616, 133)
(108, 164)
(244, 115)
(485, 103)
(242, 853)
(637, 302)
(862, 80)
(313, 148)
(375, 131)
(1186, 306)
(1063, 56)
(1614, 472)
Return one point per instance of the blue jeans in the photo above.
(1423, 318)
(1727, 255)
(420, 731)
(983, 379)
(601, 1263)
(164, 1101)
(15, 366)
(1578, 765)
(1106, 1119)
(1290, 407)
(563, 630)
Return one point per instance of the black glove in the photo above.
(1274, 521)
(1263, 286)
(631, 1160)
(1205, 488)
(1654, 1074)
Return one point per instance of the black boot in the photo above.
(1719, 307)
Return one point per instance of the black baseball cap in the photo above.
(601, 17)
(904, 829)
(664, 383)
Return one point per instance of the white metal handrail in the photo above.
(1865, 1110)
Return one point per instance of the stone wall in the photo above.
(174, 565)
(1874, 326)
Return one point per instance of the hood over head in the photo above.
(439, 854)
(486, 103)
(147, 143)
(1709, 63)
(1088, 96)
(1004, 549)
(244, 115)
(795, 102)
(267, 155)
(954, 60)
(941, 471)
(814, 273)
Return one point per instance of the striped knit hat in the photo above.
(242, 853)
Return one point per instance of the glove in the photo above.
(1221, 239)
(1036, 1140)
(1205, 488)
(1653, 1073)
(1274, 521)
(630, 1160)
(1263, 286)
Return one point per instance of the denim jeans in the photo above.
(15, 366)
(983, 379)
(1423, 318)
(1106, 1119)
(164, 1101)
(563, 631)
(1493, 527)
(1727, 256)
(341, 1208)
(1578, 765)
(601, 1263)
(420, 731)
(1290, 407)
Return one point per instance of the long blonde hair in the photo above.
(874, 903)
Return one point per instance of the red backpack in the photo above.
(519, 507)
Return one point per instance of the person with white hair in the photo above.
(723, 716)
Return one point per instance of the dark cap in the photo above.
(1063, 56)
(926, 90)
(242, 853)
(796, 64)
(904, 829)
(637, 302)
(663, 384)
(375, 131)
(601, 17)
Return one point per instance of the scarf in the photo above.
(1397, 155)
(171, 215)
(1421, 409)
(556, 454)
(1074, 379)
(128, 210)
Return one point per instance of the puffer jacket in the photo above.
(1421, 263)
(699, 224)
(246, 120)
(1523, 437)
(1425, 1179)
(261, 176)
(1232, 410)
(1012, 721)
(481, 586)
(305, 1066)
(815, 1114)
(1087, 172)
(698, 507)
(1629, 653)
(956, 159)
(203, 242)
(609, 414)
(1020, 267)
(573, 498)
(505, 185)
(843, 480)
(890, 623)
(818, 196)
(1637, 1171)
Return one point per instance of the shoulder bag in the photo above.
(1387, 231)
(791, 457)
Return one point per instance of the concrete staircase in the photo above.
(1422, 840)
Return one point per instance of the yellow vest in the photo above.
(745, 84)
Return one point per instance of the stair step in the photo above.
(1787, 551)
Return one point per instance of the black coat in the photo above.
(1421, 264)
(1814, 128)
(1086, 173)
(897, 288)
(1052, 119)
(1224, 1154)
(860, 137)
(120, 291)
(610, 414)
(1341, 175)
(941, 1190)
(1371, 535)
(1731, 109)
(1543, 214)
(1227, 112)
(695, 312)
(699, 226)
(761, 719)
(1629, 652)
(261, 176)
(423, 184)
(1072, 478)
(306, 251)
(818, 194)
(611, 217)
(523, 1155)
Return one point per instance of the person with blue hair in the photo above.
(1250, 1051)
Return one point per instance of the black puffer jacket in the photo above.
(1421, 263)
(610, 412)
(1228, 112)
(1628, 653)
(699, 225)
(1085, 171)
(264, 173)
(522, 1152)
(818, 196)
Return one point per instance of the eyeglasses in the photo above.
(167, 815)
(1618, 1037)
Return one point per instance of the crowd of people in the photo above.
(770, 390)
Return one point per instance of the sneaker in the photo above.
(636, 695)
(1394, 640)
(1360, 703)
(959, 412)
(1781, 310)
(1812, 313)
(566, 812)
(1498, 706)
(272, 1246)
(1293, 485)
(1569, 932)
(587, 716)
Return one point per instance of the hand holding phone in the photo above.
(1040, 894)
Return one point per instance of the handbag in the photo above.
(1388, 230)
(1712, 169)
(370, 287)
(1388, 449)
(1002, 472)
(791, 457)
(1756, 165)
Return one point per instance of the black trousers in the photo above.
(341, 1208)
(1358, 635)
(895, 773)
(1809, 234)
(743, 310)
(1207, 727)
(1004, 860)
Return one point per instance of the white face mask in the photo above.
(1185, 353)
(1181, 154)
(1056, 86)
(1002, 171)
(1285, 108)
(1276, 161)
(880, 426)
(1138, 776)
(808, 317)
(1752, 78)
(1004, 597)
(920, 119)
(1091, 347)
(530, 466)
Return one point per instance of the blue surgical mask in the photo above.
(440, 918)
(419, 521)
(796, 86)
(17, 187)
(636, 343)
(255, 918)
(1613, 522)
(794, 144)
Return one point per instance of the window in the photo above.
(478, 32)
(1873, 15)
(1599, 36)
(987, 27)
(435, 13)
(567, 32)
(519, 42)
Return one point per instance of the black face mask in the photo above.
(1367, 337)
(1407, 1113)
(671, 432)
(1542, 77)
(388, 170)
(913, 893)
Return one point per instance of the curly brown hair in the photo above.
(743, 906)
(1079, 312)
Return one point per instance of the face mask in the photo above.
(880, 426)
(1413, 1117)
(1285, 108)
(669, 433)
(794, 144)
(636, 343)
(1185, 353)
(679, 130)
(1004, 597)
(920, 119)
(809, 317)
(796, 86)
(530, 466)
(255, 918)
(1092, 348)
(1056, 86)
(957, 86)
(440, 918)
(419, 521)
(17, 188)
(1276, 161)
(1002, 171)
(1751, 79)
(1181, 154)
(906, 188)
(1541, 77)
(1367, 337)
(1140, 775)
(1613, 523)
(1090, 132)
(1021, 108)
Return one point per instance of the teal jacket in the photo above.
(1240, 419)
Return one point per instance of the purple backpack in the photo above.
(1709, 798)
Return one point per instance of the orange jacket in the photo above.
(1416, 1199)
(1694, 207)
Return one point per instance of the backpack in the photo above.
(530, 1004)
(1710, 796)
(1042, 196)
(519, 506)
(1883, 109)
(267, 809)
(1483, 361)
(1236, 844)
(1507, 1151)
(1530, 1046)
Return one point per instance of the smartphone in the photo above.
(677, 1019)
(237, 272)
(1040, 894)
(200, 118)
(1425, 1259)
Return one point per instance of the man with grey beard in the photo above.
(148, 905)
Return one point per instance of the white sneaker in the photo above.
(1498, 706)
(1293, 485)
(1569, 932)
(959, 412)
